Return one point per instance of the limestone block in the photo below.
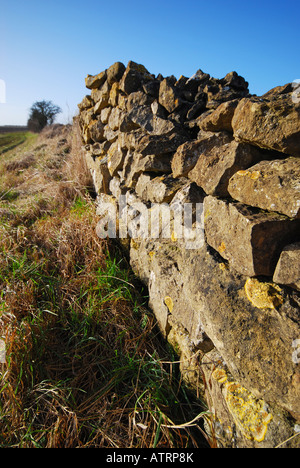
(168, 97)
(249, 240)
(218, 163)
(156, 144)
(272, 123)
(133, 77)
(114, 118)
(96, 129)
(100, 173)
(255, 343)
(115, 72)
(115, 158)
(270, 185)
(100, 98)
(95, 81)
(288, 267)
(162, 189)
(221, 118)
(86, 103)
(188, 154)
(144, 118)
(114, 94)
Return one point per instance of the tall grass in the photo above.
(85, 364)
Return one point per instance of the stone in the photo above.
(115, 72)
(235, 81)
(168, 97)
(102, 102)
(249, 240)
(104, 115)
(288, 267)
(141, 186)
(115, 158)
(95, 81)
(143, 117)
(138, 99)
(96, 129)
(210, 301)
(219, 162)
(198, 108)
(133, 77)
(86, 103)
(256, 344)
(99, 171)
(188, 154)
(114, 118)
(269, 185)
(221, 118)
(86, 116)
(272, 123)
(156, 144)
(114, 94)
(162, 189)
(150, 163)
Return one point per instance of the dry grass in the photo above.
(84, 360)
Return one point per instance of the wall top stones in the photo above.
(156, 139)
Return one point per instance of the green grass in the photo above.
(86, 366)
(9, 141)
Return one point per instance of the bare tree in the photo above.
(42, 113)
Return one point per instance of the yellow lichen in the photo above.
(263, 295)
(219, 375)
(173, 237)
(248, 412)
(169, 303)
(223, 266)
(255, 175)
(222, 247)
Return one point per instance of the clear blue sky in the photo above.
(48, 47)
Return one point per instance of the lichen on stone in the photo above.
(263, 295)
(219, 375)
(248, 412)
(169, 303)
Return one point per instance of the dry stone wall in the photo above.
(225, 288)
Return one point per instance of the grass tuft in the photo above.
(85, 364)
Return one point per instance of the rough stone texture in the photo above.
(288, 267)
(272, 123)
(249, 240)
(218, 163)
(188, 154)
(225, 288)
(270, 185)
(221, 118)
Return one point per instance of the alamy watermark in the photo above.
(2, 352)
(2, 92)
(296, 352)
(296, 92)
(134, 219)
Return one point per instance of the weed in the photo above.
(85, 363)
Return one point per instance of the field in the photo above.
(85, 365)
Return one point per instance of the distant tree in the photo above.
(42, 113)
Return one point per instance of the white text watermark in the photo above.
(296, 352)
(2, 352)
(134, 219)
(2, 92)
(296, 92)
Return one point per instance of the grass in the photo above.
(9, 141)
(85, 364)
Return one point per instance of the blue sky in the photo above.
(47, 48)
